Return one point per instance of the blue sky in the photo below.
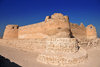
(25, 12)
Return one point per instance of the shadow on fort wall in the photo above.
(4, 62)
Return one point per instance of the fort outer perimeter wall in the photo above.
(31, 31)
(11, 32)
(78, 31)
(55, 26)
(39, 31)
(82, 32)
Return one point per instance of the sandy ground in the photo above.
(28, 59)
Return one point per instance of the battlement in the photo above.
(57, 16)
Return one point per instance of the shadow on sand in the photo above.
(4, 62)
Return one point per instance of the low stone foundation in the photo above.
(31, 45)
(62, 45)
(89, 43)
(63, 59)
(62, 51)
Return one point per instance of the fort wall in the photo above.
(31, 31)
(78, 31)
(56, 25)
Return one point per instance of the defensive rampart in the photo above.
(56, 25)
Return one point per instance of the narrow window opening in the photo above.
(59, 27)
(91, 27)
(17, 27)
(12, 27)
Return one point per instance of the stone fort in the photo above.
(56, 39)
(56, 25)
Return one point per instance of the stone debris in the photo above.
(62, 51)
(89, 43)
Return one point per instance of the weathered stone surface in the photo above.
(91, 32)
(11, 32)
(89, 43)
(63, 59)
(62, 51)
(51, 27)
(56, 25)
(78, 31)
(31, 45)
(61, 45)
(82, 25)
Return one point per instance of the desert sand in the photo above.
(28, 59)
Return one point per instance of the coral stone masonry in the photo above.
(62, 51)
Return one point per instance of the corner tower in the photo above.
(11, 32)
(57, 25)
(91, 32)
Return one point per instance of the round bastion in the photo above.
(62, 51)
(11, 32)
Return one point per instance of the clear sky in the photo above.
(25, 12)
